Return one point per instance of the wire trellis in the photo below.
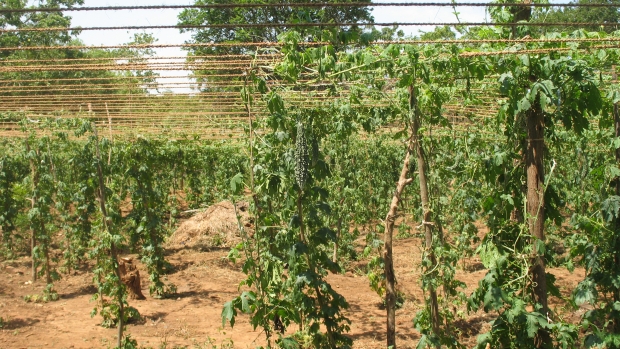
(307, 4)
(214, 108)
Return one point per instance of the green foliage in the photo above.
(321, 176)
(596, 246)
(241, 15)
(292, 214)
(22, 80)
(110, 310)
(48, 295)
(565, 89)
(129, 343)
(68, 201)
(301, 157)
(439, 33)
(149, 201)
(12, 170)
(37, 19)
(608, 15)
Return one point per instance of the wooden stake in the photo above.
(427, 216)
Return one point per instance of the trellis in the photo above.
(214, 108)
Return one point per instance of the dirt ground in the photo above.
(205, 281)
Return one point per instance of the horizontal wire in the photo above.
(157, 100)
(131, 66)
(177, 95)
(207, 62)
(144, 86)
(123, 78)
(55, 60)
(130, 102)
(160, 84)
(278, 44)
(210, 133)
(292, 5)
(145, 46)
(311, 25)
(534, 51)
(59, 101)
(103, 98)
(124, 68)
(150, 112)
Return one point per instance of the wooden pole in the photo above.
(427, 217)
(390, 277)
(535, 195)
(535, 209)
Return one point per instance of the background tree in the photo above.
(262, 15)
(582, 15)
(23, 74)
(34, 20)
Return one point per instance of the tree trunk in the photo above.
(130, 275)
(535, 207)
(390, 278)
(427, 219)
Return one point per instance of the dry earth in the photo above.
(205, 281)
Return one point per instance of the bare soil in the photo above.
(205, 281)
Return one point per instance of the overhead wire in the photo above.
(312, 44)
(192, 112)
(297, 5)
(123, 77)
(314, 25)
(147, 58)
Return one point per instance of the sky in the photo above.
(172, 36)
(169, 17)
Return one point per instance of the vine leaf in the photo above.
(585, 292)
(247, 299)
(228, 314)
(534, 321)
(524, 104)
(493, 298)
(488, 253)
(236, 184)
(610, 207)
(288, 343)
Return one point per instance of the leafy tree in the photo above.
(258, 15)
(34, 20)
(584, 15)
(262, 15)
(439, 33)
(24, 76)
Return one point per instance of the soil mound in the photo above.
(216, 226)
